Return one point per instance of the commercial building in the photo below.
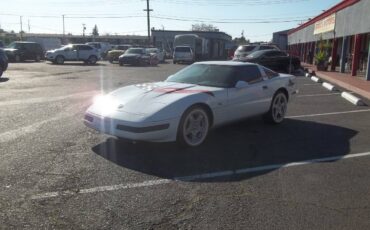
(218, 41)
(281, 39)
(342, 32)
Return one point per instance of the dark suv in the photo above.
(275, 60)
(3, 62)
(20, 51)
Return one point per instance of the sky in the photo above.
(257, 18)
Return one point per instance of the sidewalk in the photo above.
(355, 84)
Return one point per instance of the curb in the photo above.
(316, 79)
(351, 98)
(329, 86)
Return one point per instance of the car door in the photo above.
(70, 53)
(249, 100)
(85, 52)
(271, 60)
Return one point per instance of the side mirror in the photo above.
(241, 84)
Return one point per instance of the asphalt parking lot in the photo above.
(311, 172)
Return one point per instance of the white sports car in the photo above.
(184, 107)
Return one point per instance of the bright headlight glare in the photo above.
(105, 103)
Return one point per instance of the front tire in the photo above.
(193, 127)
(37, 58)
(278, 108)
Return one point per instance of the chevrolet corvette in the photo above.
(189, 103)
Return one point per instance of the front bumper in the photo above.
(184, 59)
(130, 61)
(162, 131)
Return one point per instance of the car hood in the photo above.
(10, 49)
(149, 98)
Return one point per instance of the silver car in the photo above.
(183, 54)
(73, 52)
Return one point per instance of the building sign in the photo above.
(325, 25)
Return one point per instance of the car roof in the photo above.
(228, 63)
(26, 42)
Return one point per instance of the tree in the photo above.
(95, 31)
(242, 40)
(203, 27)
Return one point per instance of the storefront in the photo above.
(340, 36)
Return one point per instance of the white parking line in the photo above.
(317, 95)
(15, 133)
(192, 177)
(47, 99)
(332, 113)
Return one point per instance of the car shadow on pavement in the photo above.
(243, 145)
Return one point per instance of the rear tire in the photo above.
(120, 63)
(17, 58)
(278, 108)
(92, 60)
(1, 71)
(290, 68)
(193, 127)
(37, 58)
(59, 60)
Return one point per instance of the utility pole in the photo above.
(29, 26)
(148, 18)
(21, 33)
(83, 29)
(63, 26)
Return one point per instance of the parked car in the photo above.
(102, 47)
(184, 107)
(275, 60)
(159, 52)
(183, 54)
(244, 50)
(3, 62)
(21, 51)
(137, 56)
(73, 52)
(117, 51)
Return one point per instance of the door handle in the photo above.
(265, 87)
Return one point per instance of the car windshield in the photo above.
(122, 47)
(13, 45)
(206, 75)
(152, 50)
(246, 48)
(134, 51)
(256, 54)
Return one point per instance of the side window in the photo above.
(83, 47)
(269, 73)
(272, 54)
(250, 74)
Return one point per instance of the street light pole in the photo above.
(148, 19)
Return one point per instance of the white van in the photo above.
(183, 54)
